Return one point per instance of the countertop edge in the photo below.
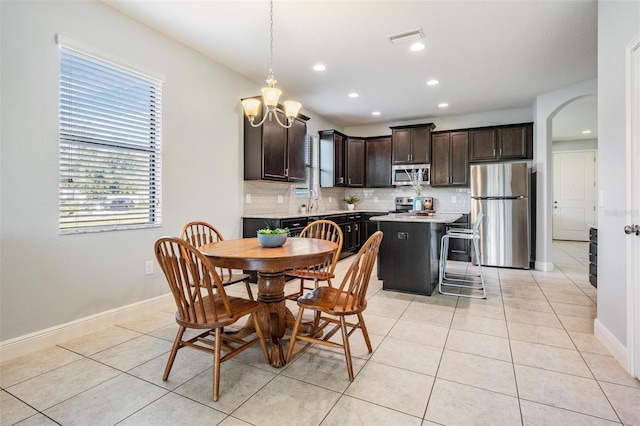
(405, 217)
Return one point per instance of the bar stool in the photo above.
(461, 280)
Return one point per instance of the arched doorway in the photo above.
(574, 169)
(546, 108)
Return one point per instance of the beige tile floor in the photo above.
(526, 355)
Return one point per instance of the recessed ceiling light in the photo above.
(586, 132)
(375, 113)
(319, 67)
(408, 36)
(433, 83)
(443, 105)
(353, 95)
(417, 46)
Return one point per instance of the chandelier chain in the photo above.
(271, 80)
(271, 94)
(271, 34)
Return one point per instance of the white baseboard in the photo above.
(544, 266)
(617, 349)
(35, 341)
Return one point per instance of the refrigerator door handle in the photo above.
(518, 197)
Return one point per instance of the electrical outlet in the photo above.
(280, 199)
(148, 267)
(248, 198)
(375, 199)
(454, 199)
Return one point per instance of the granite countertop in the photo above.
(313, 214)
(412, 217)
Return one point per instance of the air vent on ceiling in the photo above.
(408, 36)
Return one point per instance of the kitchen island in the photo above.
(410, 251)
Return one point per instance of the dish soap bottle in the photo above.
(418, 203)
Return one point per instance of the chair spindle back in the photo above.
(182, 265)
(356, 280)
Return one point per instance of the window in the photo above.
(110, 145)
(301, 190)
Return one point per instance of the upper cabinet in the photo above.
(450, 159)
(501, 143)
(272, 152)
(378, 162)
(355, 162)
(333, 149)
(411, 144)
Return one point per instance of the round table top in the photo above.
(248, 254)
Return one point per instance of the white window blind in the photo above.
(110, 145)
(301, 190)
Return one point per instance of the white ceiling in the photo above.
(488, 55)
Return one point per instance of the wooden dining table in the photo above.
(271, 265)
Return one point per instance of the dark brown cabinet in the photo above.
(378, 162)
(450, 159)
(459, 249)
(355, 162)
(344, 160)
(501, 143)
(411, 144)
(272, 152)
(351, 233)
(332, 158)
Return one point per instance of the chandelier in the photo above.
(270, 94)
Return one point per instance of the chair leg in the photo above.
(444, 248)
(174, 351)
(345, 345)
(249, 292)
(484, 290)
(216, 363)
(260, 334)
(363, 327)
(294, 333)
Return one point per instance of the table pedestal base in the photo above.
(273, 314)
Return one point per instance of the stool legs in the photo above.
(460, 280)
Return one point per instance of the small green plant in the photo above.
(351, 199)
(271, 228)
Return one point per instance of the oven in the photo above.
(405, 204)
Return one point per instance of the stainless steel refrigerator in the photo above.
(501, 192)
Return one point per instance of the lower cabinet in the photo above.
(351, 225)
(459, 249)
(408, 260)
(368, 226)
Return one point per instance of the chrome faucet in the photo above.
(313, 193)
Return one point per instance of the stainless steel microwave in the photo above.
(404, 174)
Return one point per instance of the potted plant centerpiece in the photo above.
(271, 235)
(351, 201)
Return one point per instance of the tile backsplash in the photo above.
(266, 197)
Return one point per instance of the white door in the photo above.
(633, 207)
(574, 194)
